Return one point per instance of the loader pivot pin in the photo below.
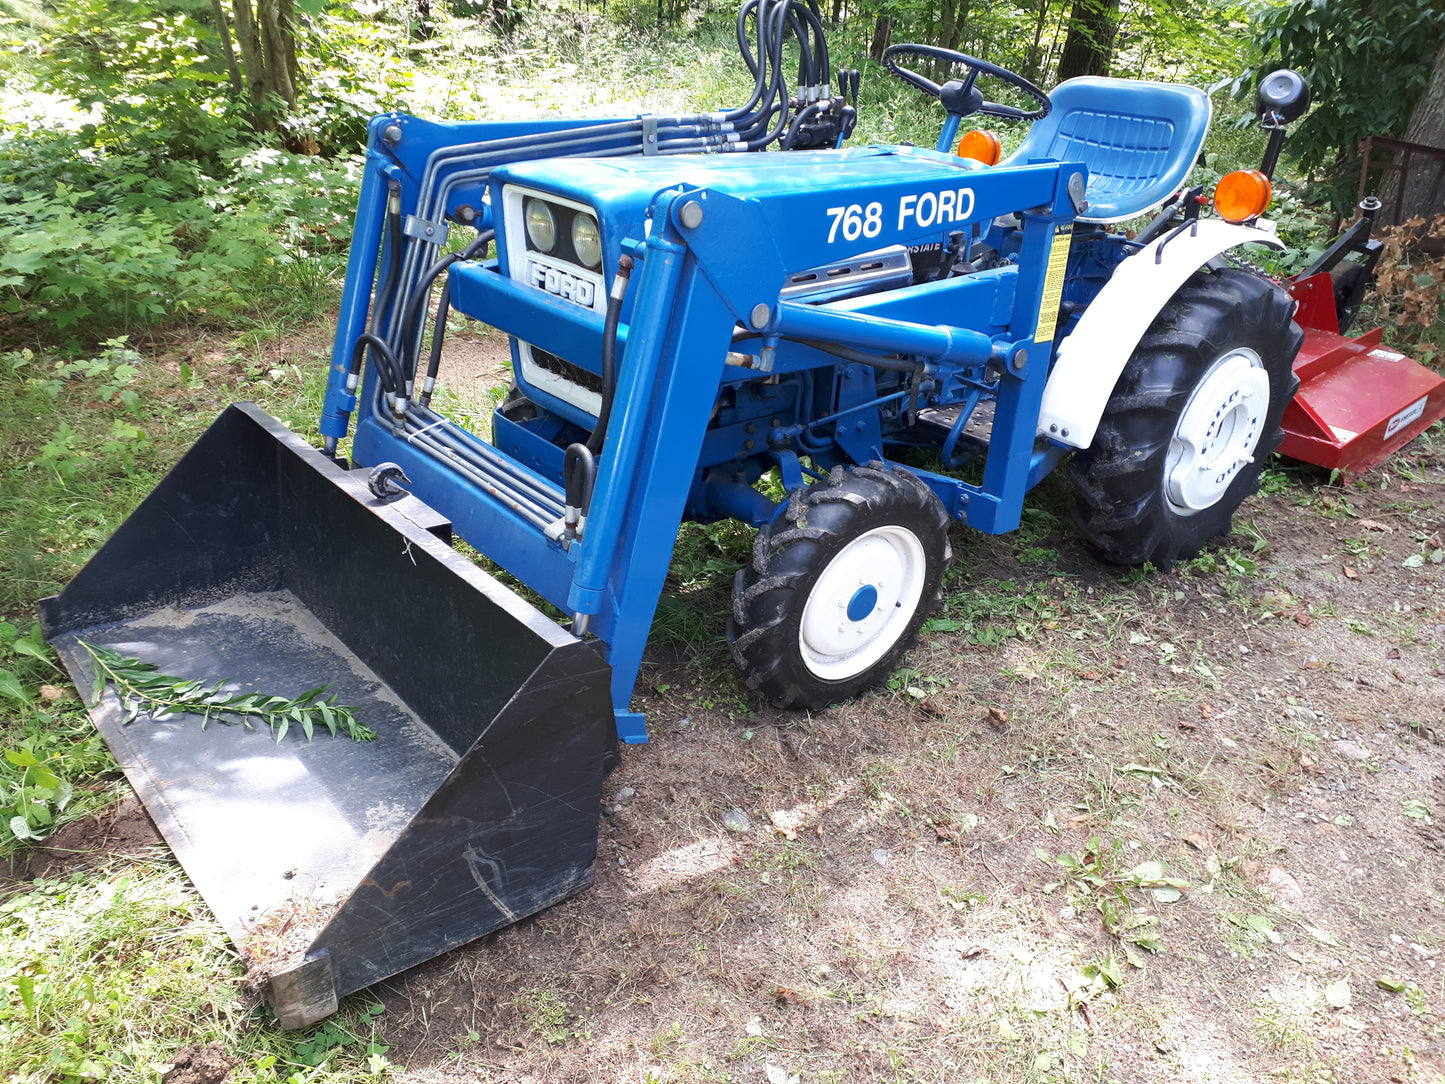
(382, 481)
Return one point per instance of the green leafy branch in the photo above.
(142, 688)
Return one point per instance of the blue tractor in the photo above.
(685, 325)
(810, 342)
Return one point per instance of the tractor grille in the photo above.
(549, 362)
(557, 267)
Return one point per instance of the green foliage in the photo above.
(1098, 873)
(1347, 53)
(148, 79)
(161, 696)
(337, 1036)
(106, 240)
(141, 194)
(45, 750)
(107, 975)
(33, 799)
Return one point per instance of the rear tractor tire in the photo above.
(1192, 419)
(839, 586)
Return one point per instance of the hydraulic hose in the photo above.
(771, 23)
(434, 361)
(579, 464)
(388, 368)
(745, 46)
(609, 353)
(579, 469)
(820, 47)
(778, 88)
(383, 292)
(806, 71)
(444, 306)
(412, 313)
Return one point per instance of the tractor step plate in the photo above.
(978, 429)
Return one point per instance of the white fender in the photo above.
(1092, 357)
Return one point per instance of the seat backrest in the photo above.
(1138, 139)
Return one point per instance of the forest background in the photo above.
(195, 160)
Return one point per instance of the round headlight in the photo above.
(586, 241)
(541, 226)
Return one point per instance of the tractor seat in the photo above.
(1138, 139)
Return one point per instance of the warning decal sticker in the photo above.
(1054, 284)
(1413, 412)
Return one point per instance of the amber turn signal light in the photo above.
(981, 146)
(1242, 195)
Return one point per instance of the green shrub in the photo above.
(95, 242)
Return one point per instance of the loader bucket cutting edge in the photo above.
(333, 864)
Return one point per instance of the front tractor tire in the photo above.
(1190, 422)
(839, 586)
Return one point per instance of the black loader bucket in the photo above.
(333, 864)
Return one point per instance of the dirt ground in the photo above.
(1104, 826)
(1230, 774)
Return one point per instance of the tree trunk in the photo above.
(1090, 44)
(223, 31)
(266, 36)
(1034, 64)
(954, 15)
(1423, 188)
(882, 35)
(504, 18)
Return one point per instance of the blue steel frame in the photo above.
(701, 274)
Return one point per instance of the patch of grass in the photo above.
(49, 745)
(548, 1014)
(107, 977)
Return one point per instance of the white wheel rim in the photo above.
(861, 604)
(1218, 432)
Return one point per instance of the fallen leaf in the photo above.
(1204, 709)
(787, 821)
(1319, 935)
(1286, 888)
(1351, 574)
(1338, 993)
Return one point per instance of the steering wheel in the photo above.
(963, 98)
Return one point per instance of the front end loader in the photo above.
(851, 349)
